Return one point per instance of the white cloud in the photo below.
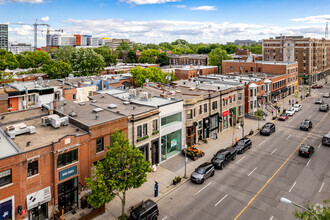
(204, 8)
(45, 19)
(179, 6)
(22, 1)
(147, 2)
(314, 19)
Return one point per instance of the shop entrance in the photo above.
(191, 136)
(68, 195)
(155, 152)
(39, 213)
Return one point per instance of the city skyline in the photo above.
(155, 21)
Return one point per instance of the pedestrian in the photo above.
(272, 112)
(292, 103)
(289, 102)
(301, 98)
(264, 117)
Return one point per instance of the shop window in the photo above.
(5, 177)
(239, 97)
(99, 144)
(74, 96)
(214, 105)
(200, 109)
(189, 114)
(139, 131)
(230, 100)
(251, 69)
(205, 108)
(240, 110)
(234, 98)
(67, 158)
(33, 168)
(145, 130)
(171, 119)
(155, 125)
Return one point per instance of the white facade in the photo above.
(84, 92)
(16, 48)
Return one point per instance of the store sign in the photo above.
(174, 142)
(225, 113)
(68, 172)
(5, 209)
(39, 197)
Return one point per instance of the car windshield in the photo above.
(304, 148)
(220, 156)
(267, 126)
(296, 106)
(304, 123)
(200, 170)
(290, 109)
(283, 115)
(240, 143)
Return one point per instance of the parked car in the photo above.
(290, 111)
(319, 101)
(297, 107)
(317, 86)
(306, 125)
(223, 157)
(202, 172)
(305, 150)
(324, 108)
(326, 139)
(267, 129)
(326, 95)
(242, 145)
(147, 210)
(283, 117)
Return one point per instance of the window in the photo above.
(231, 68)
(200, 109)
(5, 177)
(189, 114)
(139, 131)
(33, 168)
(262, 87)
(234, 98)
(90, 93)
(145, 130)
(288, 57)
(288, 44)
(251, 69)
(251, 92)
(74, 96)
(171, 119)
(67, 158)
(214, 105)
(99, 144)
(240, 110)
(274, 57)
(155, 125)
(194, 112)
(205, 108)
(239, 97)
(230, 100)
(251, 104)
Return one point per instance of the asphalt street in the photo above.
(251, 186)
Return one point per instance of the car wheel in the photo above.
(212, 174)
(249, 147)
(307, 129)
(154, 217)
(202, 181)
(234, 157)
(221, 166)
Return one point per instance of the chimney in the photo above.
(253, 58)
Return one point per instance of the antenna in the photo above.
(326, 31)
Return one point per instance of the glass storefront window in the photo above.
(171, 144)
(171, 119)
(225, 122)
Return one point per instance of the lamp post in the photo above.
(185, 162)
(287, 201)
(242, 124)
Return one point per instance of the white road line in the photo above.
(321, 187)
(252, 171)
(271, 218)
(292, 186)
(221, 200)
(164, 218)
(240, 159)
(202, 188)
(308, 162)
(273, 151)
(288, 137)
(319, 145)
(309, 117)
(261, 142)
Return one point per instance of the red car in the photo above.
(317, 87)
(283, 117)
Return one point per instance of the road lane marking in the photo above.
(319, 145)
(308, 162)
(164, 218)
(261, 142)
(240, 159)
(273, 151)
(309, 117)
(271, 218)
(252, 171)
(321, 187)
(202, 188)
(288, 137)
(292, 186)
(262, 188)
(221, 200)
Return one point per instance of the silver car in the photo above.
(202, 172)
(326, 95)
(297, 107)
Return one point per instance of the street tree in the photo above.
(87, 62)
(64, 53)
(296, 95)
(322, 211)
(108, 57)
(217, 55)
(124, 167)
(258, 114)
(57, 70)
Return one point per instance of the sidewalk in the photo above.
(175, 166)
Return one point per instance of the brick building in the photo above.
(187, 59)
(312, 55)
(187, 72)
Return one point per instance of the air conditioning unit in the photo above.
(58, 122)
(96, 110)
(143, 95)
(18, 129)
(132, 92)
(112, 106)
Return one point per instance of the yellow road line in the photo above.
(255, 196)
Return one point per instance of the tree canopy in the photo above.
(57, 70)
(217, 55)
(152, 73)
(322, 211)
(87, 61)
(8, 60)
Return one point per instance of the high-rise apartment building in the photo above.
(4, 36)
(312, 55)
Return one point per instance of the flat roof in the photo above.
(262, 62)
(7, 146)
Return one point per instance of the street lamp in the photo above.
(242, 124)
(287, 201)
(185, 162)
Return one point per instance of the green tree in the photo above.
(6, 77)
(24, 61)
(87, 61)
(296, 95)
(64, 53)
(57, 70)
(216, 56)
(179, 41)
(254, 48)
(162, 59)
(148, 56)
(322, 211)
(166, 46)
(152, 73)
(123, 168)
(8, 60)
(124, 46)
(131, 56)
(258, 114)
(108, 57)
(230, 48)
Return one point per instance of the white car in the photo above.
(297, 107)
(290, 111)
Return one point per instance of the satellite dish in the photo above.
(147, 80)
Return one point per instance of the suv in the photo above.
(202, 172)
(242, 145)
(306, 125)
(324, 108)
(147, 210)
(267, 129)
(326, 139)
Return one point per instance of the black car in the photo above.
(242, 145)
(268, 128)
(223, 157)
(202, 172)
(306, 125)
(324, 108)
(305, 150)
(319, 101)
(147, 210)
(326, 139)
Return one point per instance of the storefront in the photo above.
(145, 151)
(225, 119)
(191, 135)
(283, 90)
(6, 209)
(68, 190)
(275, 95)
(155, 151)
(37, 204)
(171, 144)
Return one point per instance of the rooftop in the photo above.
(263, 62)
(7, 148)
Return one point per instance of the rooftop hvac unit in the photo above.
(96, 110)
(132, 92)
(143, 95)
(72, 114)
(18, 129)
(58, 122)
(112, 106)
(126, 103)
(94, 101)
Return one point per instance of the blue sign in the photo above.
(68, 172)
(5, 209)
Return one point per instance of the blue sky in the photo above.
(157, 21)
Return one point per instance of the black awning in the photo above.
(276, 93)
(284, 89)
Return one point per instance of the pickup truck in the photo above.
(223, 157)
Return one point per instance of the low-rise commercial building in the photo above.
(187, 59)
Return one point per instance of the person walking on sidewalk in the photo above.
(272, 112)
(289, 102)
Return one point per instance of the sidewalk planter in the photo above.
(176, 180)
(251, 132)
(274, 117)
(192, 153)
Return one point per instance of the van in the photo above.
(147, 210)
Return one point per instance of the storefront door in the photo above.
(171, 144)
(68, 195)
(191, 136)
(39, 212)
(155, 152)
(145, 151)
